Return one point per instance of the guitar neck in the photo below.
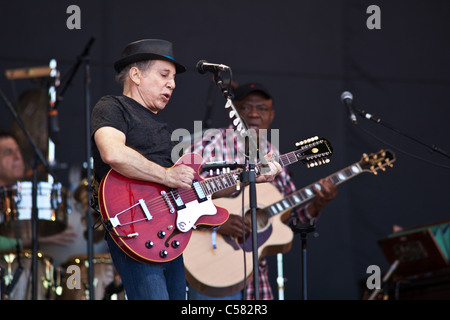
(310, 151)
(226, 180)
(307, 193)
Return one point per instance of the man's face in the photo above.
(256, 110)
(12, 167)
(157, 84)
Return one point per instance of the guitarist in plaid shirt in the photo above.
(255, 104)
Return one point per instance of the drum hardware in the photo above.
(37, 159)
(107, 284)
(81, 196)
(17, 279)
(16, 206)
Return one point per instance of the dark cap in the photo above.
(242, 91)
(147, 49)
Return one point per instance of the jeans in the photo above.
(195, 295)
(156, 281)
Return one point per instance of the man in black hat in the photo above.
(130, 138)
(254, 103)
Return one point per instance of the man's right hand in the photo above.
(233, 226)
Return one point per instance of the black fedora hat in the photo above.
(148, 49)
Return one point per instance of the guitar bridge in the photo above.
(167, 200)
(114, 221)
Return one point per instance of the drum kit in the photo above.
(52, 284)
(30, 274)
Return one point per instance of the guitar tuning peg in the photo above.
(232, 114)
(236, 121)
(381, 167)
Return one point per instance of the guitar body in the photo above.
(145, 220)
(219, 271)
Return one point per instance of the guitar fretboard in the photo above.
(226, 180)
(214, 184)
(300, 196)
(223, 181)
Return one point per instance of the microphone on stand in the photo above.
(203, 66)
(347, 99)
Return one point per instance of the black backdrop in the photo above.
(307, 53)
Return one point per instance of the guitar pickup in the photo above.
(199, 191)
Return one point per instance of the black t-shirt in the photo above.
(145, 131)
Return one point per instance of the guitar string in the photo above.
(160, 203)
(189, 195)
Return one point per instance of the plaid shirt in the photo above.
(213, 148)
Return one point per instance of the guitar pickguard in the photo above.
(187, 217)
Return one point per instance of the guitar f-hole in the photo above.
(167, 242)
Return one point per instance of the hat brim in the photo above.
(122, 63)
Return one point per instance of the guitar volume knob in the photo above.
(149, 244)
(161, 234)
(175, 243)
(163, 253)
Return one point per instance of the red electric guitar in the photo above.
(153, 223)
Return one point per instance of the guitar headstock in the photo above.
(377, 161)
(314, 151)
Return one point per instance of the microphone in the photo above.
(347, 99)
(203, 66)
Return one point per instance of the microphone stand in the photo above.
(370, 116)
(39, 157)
(304, 229)
(89, 222)
(248, 175)
(209, 106)
(84, 58)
